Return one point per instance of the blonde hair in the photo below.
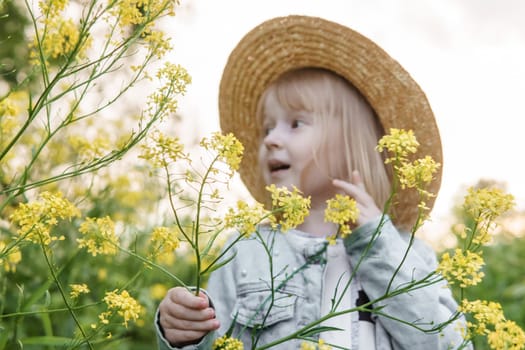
(340, 109)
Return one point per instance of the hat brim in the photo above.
(288, 43)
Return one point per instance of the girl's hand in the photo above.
(368, 209)
(185, 318)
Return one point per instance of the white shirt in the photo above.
(337, 274)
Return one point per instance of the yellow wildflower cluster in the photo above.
(400, 143)
(61, 38)
(9, 258)
(320, 345)
(488, 319)
(412, 174)
(290, 208)
(163, 150)
(88, 150)
(174, 79)
(158, 43)
(77, 289)
(36, 219)
(137, 12)
(341, 210)
(227, 343)
(421, 171)
(164, 241)
(52, 8)
(99, 236)
(125, 305)
(245, 218)
(11, 106)
(229, 148)
(464, 267)
(507, 335)
(485, 204)
(8, 125)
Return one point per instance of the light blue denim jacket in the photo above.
(237, 290)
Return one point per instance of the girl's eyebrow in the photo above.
(302, 114)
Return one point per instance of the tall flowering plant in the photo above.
(65, 191)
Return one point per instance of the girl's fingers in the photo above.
(182, 296)
(201, 323)
(355, 188)
(368, 209)
(350, 189)
(182, 312)
(185, 317)
(356, 180)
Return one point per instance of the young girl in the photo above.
(310, 99)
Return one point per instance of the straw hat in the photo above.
(287, 43)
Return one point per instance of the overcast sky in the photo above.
(467, 55)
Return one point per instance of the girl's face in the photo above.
(287, 151)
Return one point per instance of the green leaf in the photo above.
(313, 331)
(219, 265)
(57, 341)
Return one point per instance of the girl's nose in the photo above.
(273, 138)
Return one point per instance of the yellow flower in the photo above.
(124, 304)
(488, 319)
(322, 346)
(61, 38)
(163, 150)
(487, 203)
(290, 208)
(52, 8)
(244, 218)
(400, 143)
(342, 210)
(306, 345)
(37, 218)
(507, 335)
(158, 43)
(135, 12)
(227, 343)
(418, 173)
(77, 289)
(229, 148)
(464, 267)
(9, 258)
(164, 241)
(485, 315)
(88, 150)
(99, 236)
(102, 274)
(174, 79)
(158, 291)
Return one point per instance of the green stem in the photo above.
(152, 264)
(196, 228)
(37, 312)
(63, 294)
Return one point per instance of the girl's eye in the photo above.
(296, 123)
(266, 130)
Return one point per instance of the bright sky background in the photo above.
(467, 55)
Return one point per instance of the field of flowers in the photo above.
(103, 208)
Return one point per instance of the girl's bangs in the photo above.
(298, 93)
